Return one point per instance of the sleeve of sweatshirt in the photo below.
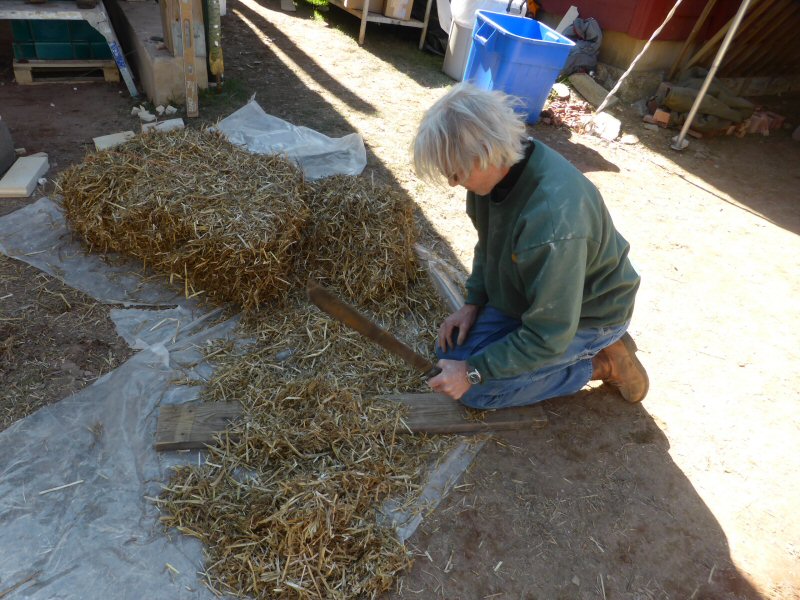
(475, 284)
(553, 276)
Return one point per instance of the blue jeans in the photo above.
(568, 374)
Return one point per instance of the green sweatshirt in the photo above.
(549, 255)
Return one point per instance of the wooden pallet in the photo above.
(31, 72)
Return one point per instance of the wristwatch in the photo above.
(474, 376)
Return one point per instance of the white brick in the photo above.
(167, 125)
(21, 178)
(104, 142)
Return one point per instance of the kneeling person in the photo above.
(551, 292)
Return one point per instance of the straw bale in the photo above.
(192, 205)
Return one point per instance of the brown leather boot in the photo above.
(617, 365)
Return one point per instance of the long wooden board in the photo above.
(194, 424)
(437, 413)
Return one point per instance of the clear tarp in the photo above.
(77, 477)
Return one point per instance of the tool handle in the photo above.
(432, 372)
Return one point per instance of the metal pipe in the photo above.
(679, 142)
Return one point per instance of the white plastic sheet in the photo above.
(38, 235)
(317, 155)
(98, 537)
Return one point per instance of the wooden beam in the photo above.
(773, 50)
(690, 40)
(756, 11)
(750, 40)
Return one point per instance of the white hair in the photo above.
(465, 126)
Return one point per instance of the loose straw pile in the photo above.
(287, 501)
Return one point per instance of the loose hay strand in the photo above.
(287, 501)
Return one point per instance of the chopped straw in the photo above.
(287, 501)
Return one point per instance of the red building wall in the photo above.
(640, 19)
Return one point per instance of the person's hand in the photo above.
(452, 380)
(462, 319)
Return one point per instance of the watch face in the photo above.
(474, 377)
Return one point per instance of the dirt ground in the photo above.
(692, 494)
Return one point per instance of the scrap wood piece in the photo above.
(593, 92)
(193, 424)
(436, 413)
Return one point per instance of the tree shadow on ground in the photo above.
(592, 506)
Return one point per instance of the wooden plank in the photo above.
(772, 52)
(193, 424)
(754, 12)
(437, 413)
(690, 40)
(189, 73)
(748, 41)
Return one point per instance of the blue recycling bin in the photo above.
(518, 56)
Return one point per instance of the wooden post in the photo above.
(189, 73)
(425, 24)
(170, 20)
(363, 29)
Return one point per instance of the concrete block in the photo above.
(20, 181)
(170, 110)
(104, 142)
(168, 125)
(147, 117)
(159, 110)
(593, 92)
